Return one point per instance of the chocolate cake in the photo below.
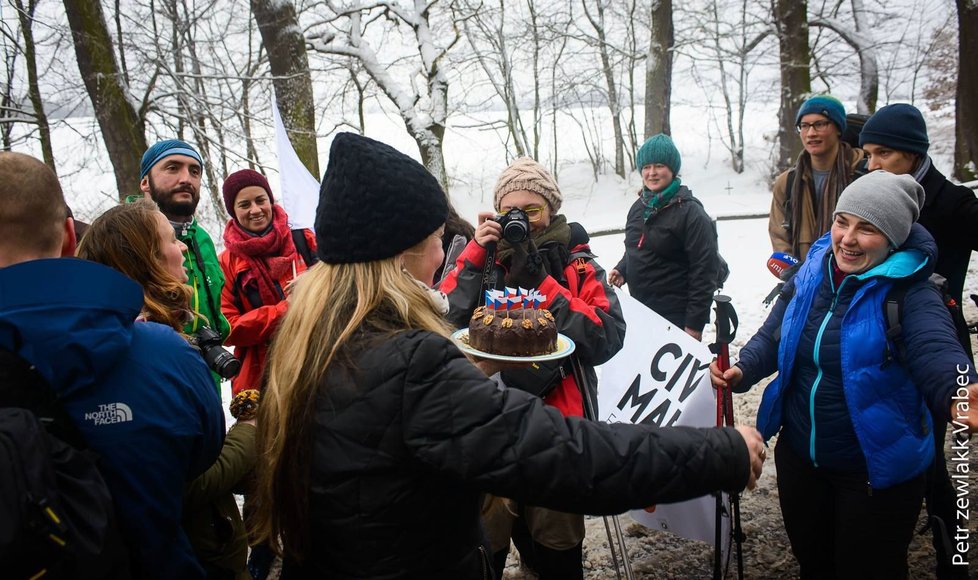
(516, 332)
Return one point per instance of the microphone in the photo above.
(782, 265)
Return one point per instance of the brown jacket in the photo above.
(797, 239)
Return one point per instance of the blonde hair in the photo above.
(331, 304)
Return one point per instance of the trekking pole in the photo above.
(580, 377)
(726, 324)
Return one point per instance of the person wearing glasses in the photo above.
(556, 260)
(804, 196)
(671, 258)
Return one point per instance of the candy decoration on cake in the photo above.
(492, 328)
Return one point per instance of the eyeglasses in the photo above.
(819, 126)
(533, 213)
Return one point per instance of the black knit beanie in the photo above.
(899, 126)
(375, 202)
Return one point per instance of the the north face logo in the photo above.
(110, 413)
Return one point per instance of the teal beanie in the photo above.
(659, 149)
(827, 106)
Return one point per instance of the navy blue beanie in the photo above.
(900, 127)
(826, 105)
(375, 202)
(163, 149)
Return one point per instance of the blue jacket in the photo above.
(843, 404)
(141, 396)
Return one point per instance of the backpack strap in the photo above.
(302, 247)
(786, 206)
(892, 314)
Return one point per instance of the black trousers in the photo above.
(838, 527)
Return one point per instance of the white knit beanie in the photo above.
(527, 174)
(890, 202)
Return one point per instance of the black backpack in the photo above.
(893, 310)
(56, 514)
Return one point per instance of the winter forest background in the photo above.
(465, 85)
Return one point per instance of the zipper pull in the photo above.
(641, 240)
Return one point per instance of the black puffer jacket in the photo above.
(403, 447)
(670, 262)
(950, 214)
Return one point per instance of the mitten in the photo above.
(244, 405)
(526, 269)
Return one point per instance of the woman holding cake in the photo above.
(378, 436)
(671, 260)
(557, 262)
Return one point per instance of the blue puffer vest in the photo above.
(887, 412)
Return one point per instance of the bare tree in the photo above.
(25, 15)
(286, 48)
(658, 70)
(343, 31)
(966, 112)
(791, 22)
(859, 38)
(597, 22)
(122, 127)
(489, 27)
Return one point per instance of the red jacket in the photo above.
(252, 325)
(587, 311)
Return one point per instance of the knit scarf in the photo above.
(655, 201)
(823, 206)
(269, 255)
(922, 170)
(557, 231)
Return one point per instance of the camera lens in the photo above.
(515, 231)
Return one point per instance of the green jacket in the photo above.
(206, 278)
(210, 513)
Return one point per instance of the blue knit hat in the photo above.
(899, 126)
(163, 149)
(659, 149)
(826, 105)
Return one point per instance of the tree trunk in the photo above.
(609, 77)
(26, 17)
(658, 70)
(869, 86)
(122, 129)
(286, 46)
(966, 110)
(791, 21)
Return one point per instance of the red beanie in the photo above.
(239, 180)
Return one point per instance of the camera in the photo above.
(217, 358)
(516, 225)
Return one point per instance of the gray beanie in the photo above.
(890, 202)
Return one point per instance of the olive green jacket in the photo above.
(211, 517)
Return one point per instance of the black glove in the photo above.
(526, 268)
(555, 259)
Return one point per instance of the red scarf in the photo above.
(269, 256)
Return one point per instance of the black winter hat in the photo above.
(899, 126)
(375, 202)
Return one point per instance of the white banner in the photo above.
(661, 377)
(298, 189)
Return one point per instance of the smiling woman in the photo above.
(259, 263)
(855, 425)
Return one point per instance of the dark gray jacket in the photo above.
(670, 262)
